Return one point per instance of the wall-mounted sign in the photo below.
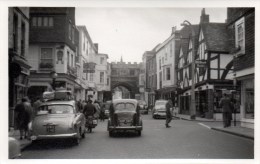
(200, 63)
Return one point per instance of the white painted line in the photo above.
(205, 125)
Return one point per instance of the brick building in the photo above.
(241, 24)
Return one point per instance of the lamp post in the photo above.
(54, 75)
(193, 106)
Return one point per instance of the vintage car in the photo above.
(124, 116)
(159, 110)
(58, 119)
(14, 148)
(143, 107)
(107, 105)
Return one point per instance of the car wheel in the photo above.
(139, 132)
(111, 134)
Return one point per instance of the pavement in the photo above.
(208, 123)
(16, 134)
(218, 126)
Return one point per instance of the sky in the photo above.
(129, 32)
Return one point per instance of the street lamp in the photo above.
(193, 106)
(54, 75)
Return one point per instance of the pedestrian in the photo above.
(226, 105)
(97, 106)
(23, 117)
(36, 105)
(102, 112)
(168, 107)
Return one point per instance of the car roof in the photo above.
(161, 101)
(71, 102)
(134, 101)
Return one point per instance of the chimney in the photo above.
(96, 46)
(173, 30)
(204, 18)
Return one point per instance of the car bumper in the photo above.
(160, 114)
(53, 136)
(119, 128)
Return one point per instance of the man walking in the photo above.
(168, 113)
(226, 105)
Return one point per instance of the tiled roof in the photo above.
(216, 36)
(186, 35)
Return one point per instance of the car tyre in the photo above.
(139, 132)
(111, 134)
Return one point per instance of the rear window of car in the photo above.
(160, 103)
(125, 106)
(142, 102)
(55, 109)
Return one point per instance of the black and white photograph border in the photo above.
(121, 59)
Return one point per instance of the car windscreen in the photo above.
(142, 102)
(124, 107)
(159, 103)
(55, 109)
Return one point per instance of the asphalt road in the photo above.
(184, 140)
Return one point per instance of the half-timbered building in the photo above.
(213, 74)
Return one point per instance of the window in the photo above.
(132, 72)
(68, 58)
(46, 58)
(163, 73)
(162, 60)
(15, 32)
(42, 21)
(168, 74)
(107, 81)
(102, 60)
(23, 40)
(160, 64)
(102, 76)
(69, 30)
(73, 34)
(171, 49)
(39, 21)
(240, 34)
(91, 77)
(71, 60)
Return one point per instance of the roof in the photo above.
(186, 35)
(134, 101)
(54, 102)
(216, 36)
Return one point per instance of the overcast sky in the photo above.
(129, 32)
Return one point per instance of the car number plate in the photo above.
(50, 128)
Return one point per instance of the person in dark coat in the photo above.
(168, 106)
(23, 117)
(226, 105)
(89, 109)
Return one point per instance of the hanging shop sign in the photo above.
(89, 67)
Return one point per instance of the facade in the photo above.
(166, 74)
(149, 60)
(241, 24)
(125, 79)
(87, 53)
(213, 68)
(102, 76)
(19, 67)
(53, 47)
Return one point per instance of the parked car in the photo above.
(58, 119)
(14, 148)
(107, 106)
(159, 109)
(124, 116)
(143, 107)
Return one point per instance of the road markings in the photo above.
(204, 125)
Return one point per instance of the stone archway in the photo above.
(132, 89)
